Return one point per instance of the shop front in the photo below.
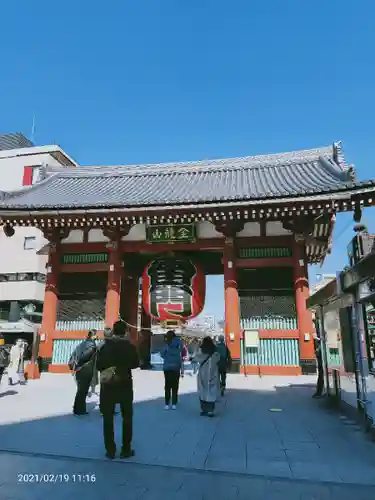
(359, 281)
(335, 326)
(345, 318)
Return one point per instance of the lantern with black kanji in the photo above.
(173, 288)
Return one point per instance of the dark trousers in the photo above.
(2, 369)
(223, 378)
(83, 385)
(172, 381)
(108, 411)
(207, 407)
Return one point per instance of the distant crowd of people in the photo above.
(110, 362)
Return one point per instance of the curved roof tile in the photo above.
(249, 178)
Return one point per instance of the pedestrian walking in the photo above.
(116, 358)
(16, 363)
(319, 361)
(208, 376)
(224, 363)
(4, 356)
(26, 360)
(194, 351)
(82, 363)
(172, 355)
(95, 376)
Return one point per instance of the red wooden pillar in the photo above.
(232, 304)
(112, 304)
(304, 316)
(51, 300)
(132, 318)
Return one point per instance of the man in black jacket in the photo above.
(82, 362)
(116, 358)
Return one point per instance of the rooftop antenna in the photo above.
(33, 129)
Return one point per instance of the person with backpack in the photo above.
(172, 355)
(208, 376)
(4, 356)
(82, 363)
(224, 363)
(116, 359)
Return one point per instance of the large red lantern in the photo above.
(173, 288)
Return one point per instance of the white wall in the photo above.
(11, 169)
(22, 290)
(14, 258)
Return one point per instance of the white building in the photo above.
(322, 280)
(22, 270)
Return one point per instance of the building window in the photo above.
(25, 277)
(30, 175)
(40, 278)
(29, 243)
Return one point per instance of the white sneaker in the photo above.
(174, 407)
(166, 407)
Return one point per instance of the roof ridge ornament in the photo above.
(352, 173)
(339, 157)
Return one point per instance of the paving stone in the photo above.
(316, 471)
(269, 468)
(181, 455)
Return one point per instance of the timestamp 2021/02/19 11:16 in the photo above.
(54, 478)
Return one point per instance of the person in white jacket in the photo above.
(16, 363)
(208, 377)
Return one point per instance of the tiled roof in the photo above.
(284, 175)
(14, 141)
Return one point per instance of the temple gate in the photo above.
(258, 221)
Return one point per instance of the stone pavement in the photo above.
(246, 447)
(102, 480)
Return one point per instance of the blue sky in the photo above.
(152, 81)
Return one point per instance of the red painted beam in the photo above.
(84, 268)
(138, 246)
(83, 248)
(72, 334)
(202, 244)
(271, 370)
(278, 334)
(257, 263)
(264, 241)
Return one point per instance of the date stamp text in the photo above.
(56, 477)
